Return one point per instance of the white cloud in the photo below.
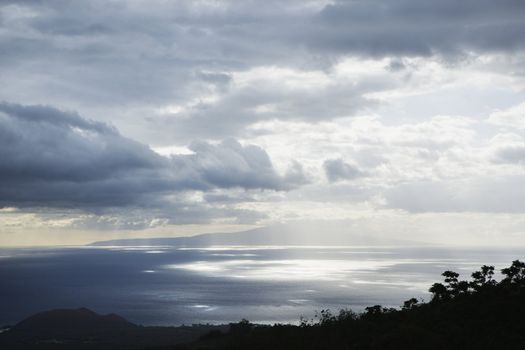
(513, 117)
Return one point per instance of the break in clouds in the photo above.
(155, 113)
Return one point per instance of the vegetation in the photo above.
(477, 314)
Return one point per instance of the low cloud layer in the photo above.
(482, 195)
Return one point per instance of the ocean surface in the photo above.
(163, 285)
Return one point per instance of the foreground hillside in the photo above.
(476, 314)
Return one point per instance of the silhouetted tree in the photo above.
(325, 317)
(462, 287)
(453, 285)
(242, 327)
(451, 278)
(483, 278)
(515, 273)
(439, 292)
(410, 304)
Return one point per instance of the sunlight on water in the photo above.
(202, 307)
(297, 269)
(233, 248)
(144, 248)
(233, 255)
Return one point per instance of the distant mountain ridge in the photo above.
(286, 235)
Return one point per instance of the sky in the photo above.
(167, 118)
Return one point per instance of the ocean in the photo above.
(165, 285)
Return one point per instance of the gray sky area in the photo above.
(156, 118)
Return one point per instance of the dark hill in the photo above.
(72, 321)
(83, 329)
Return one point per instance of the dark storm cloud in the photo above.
(420, 28)
(232, 32)
(229, 165)
(55, 158)
(337, 170)
(52, 158)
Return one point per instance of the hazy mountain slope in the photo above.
(296, 234)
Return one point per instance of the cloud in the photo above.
(255, 101)
(204, 29)
(508, 148)
(513, 117)
(141, 57)
(511, 154)
(414, 28)
(337, 170)
(483, 194)
(268, 93)
(179, 213)
(229, 165)
(52, 158)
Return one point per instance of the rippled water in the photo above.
(170, 285)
